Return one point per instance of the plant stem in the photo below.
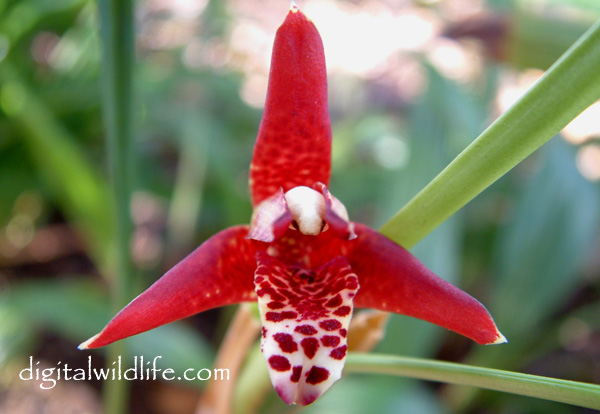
(117, 27)
(570, 392)
(565, 90)
(253, 384)
(242, 332)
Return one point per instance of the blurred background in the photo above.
(412, 83)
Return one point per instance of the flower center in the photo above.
(308, 209)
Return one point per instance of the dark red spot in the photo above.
(258, 279)
(330, 325)
(264, 332)
(318, 302)
(323, 293)
(279, 316)
(330, 341)
(343, 311)
(352, 285)
(338, 286)
(317, 375)
(295, 377)
(274, 295)
(343, 332)
(306, 330)
(289, 295)
(334, 302)
(289, 315)
(275, 305)
(310, 346)
(351, 279)
(278, 282)
(286, 342)
(279, 363)
(271, 292)
(339, 353)
(274, 316)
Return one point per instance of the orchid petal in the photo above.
(305, 315)
(393, 280)
(336, 215)
(218, 273)
(293, 146)
(270, 219)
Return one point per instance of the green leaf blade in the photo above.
(569, 392)
(568, 87)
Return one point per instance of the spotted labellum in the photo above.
(301, 257)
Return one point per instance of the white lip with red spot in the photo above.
(305, 316)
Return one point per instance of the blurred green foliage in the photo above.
(527, 247)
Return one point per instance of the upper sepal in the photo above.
(218, 273)
(293, 146)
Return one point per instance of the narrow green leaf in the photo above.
(118, 43)
(567, 88)
(20, 19)
(76, 185)
(383, 395)
(118, 40)
(569, 392)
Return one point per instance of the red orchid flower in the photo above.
(301, 257)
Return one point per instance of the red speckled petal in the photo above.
(305, 315)
(293, 146)
(218, 273)
(270, 219)
(393, 280)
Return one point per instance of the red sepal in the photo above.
(393, 280)
(293, 146)
(220, 272)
